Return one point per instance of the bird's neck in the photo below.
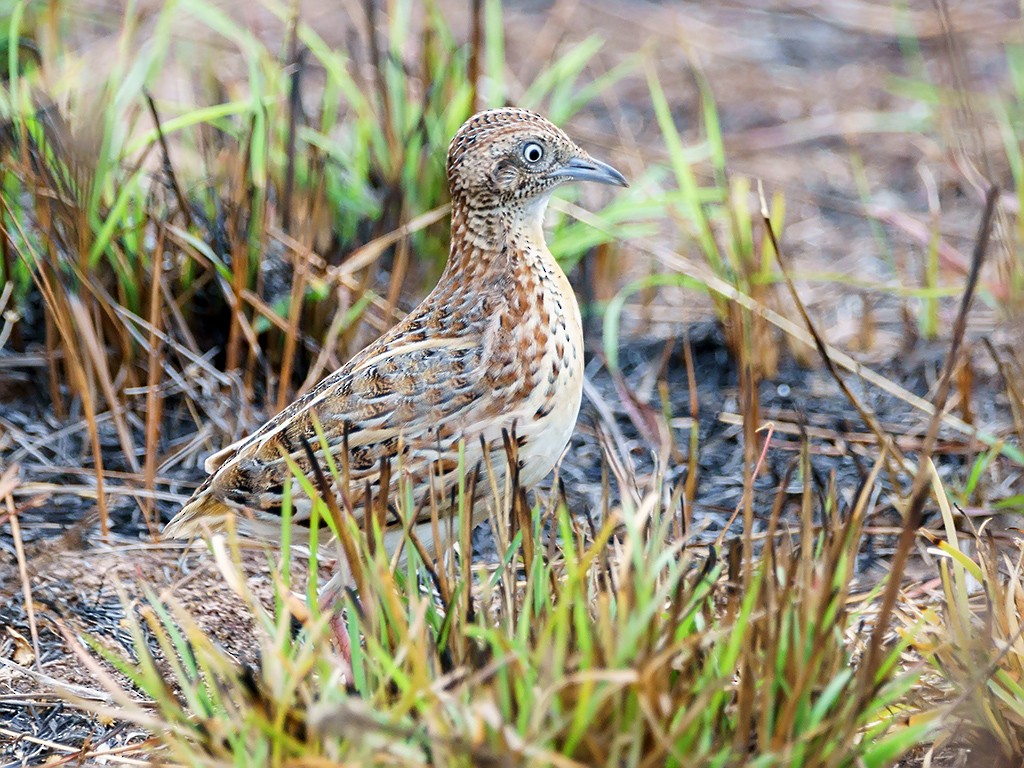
(487, 241)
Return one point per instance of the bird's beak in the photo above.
(588, 169)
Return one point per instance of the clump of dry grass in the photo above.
(969, 629)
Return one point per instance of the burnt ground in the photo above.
(804, 89)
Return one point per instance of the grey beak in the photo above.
(589, 169)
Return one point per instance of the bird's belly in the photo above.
(545, 443)
(545, 436)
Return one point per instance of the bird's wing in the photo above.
(408, 399)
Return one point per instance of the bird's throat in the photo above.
(485, 241)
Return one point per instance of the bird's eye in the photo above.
(533, 152)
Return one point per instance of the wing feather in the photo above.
(408, 399)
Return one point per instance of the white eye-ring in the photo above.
(533, 152)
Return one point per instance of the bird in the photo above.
(495, 349)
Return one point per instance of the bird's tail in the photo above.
(201, 514)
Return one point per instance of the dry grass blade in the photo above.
(292, 330)
(168, 169)
(339, 517)
(922, 479)
(296, 63)
(367, 254)
(866, 414)
(61, 314)
(98, 359)
(154, 403)
(8, 482)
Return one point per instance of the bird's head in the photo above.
(509, 157)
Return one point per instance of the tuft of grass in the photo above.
(623, 645)
(972, 636)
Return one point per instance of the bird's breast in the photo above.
(551, 338)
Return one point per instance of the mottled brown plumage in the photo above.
(497, 345)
